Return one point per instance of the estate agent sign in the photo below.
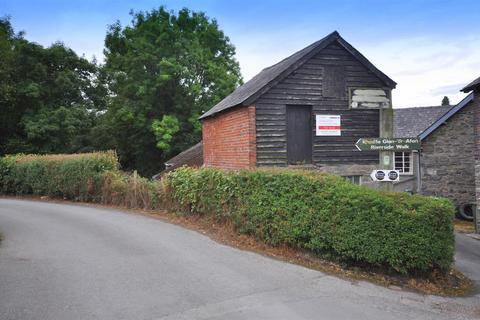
(328, 125)
(388, 144)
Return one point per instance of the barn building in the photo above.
(307, 110)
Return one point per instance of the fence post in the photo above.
(135, 204)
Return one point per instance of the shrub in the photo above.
(73, 176)
(83, 177)
(324, 214)
(131, 191)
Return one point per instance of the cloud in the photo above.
(447, 90)
(427, 68)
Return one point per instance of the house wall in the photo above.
(409, 182)
(229, 139)
(448, 159)
(308, 86)
(476, 107)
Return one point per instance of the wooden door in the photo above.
(299, 134)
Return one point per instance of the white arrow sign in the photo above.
(385, 175)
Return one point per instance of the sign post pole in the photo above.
(386, 130)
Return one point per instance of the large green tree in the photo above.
(49, 97)
(163, 71)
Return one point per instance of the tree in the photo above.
(163, 71)
(49, 97)
(445, 101)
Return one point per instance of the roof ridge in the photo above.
(313, 44)
(422, 107)
(472, 85)
(261, 82)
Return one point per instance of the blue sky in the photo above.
(430, 48)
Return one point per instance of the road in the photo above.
(72, 262)
(467, 257)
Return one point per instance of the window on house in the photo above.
(353, 179)
(403, 162)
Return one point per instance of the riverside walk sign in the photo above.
(388, 144)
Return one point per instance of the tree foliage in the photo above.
(445, 101)
(163, 71)
(48, 96)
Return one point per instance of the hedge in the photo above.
(91, 177)
(70, 176)
(324, 214)
(309, 210)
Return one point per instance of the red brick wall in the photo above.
(229, 139)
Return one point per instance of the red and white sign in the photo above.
(328, 125)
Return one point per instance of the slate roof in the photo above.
(444, 118)
(472, 85)
(268, 77)
(192, 157)
(411, 122)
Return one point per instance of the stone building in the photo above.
(411, 122)
(474, 89)
(447, 164)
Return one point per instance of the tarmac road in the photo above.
(72, 262)
(467, 257)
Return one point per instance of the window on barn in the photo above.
(334, 81)
(403, 162)
(353, 179)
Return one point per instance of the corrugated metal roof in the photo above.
(248, 92)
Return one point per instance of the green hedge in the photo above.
(324, 214)
(318, 212)
(73, 176)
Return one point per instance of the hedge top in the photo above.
(106, 155)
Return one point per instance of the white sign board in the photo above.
(328, 125)
(385, 175)
(369, 99)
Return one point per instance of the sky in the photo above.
(430, 48)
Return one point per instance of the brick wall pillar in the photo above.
(229, 139)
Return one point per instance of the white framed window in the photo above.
(403, 162)
(353, 179)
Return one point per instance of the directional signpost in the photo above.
(388, 144)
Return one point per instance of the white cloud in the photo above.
(427, 69)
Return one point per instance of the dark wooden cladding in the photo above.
(333, 82)
(320, 83)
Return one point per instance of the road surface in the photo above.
(72, 262)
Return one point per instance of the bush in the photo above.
(73, 176)
(324, 214)
(130, 191)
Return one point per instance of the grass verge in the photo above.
(463, 226)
